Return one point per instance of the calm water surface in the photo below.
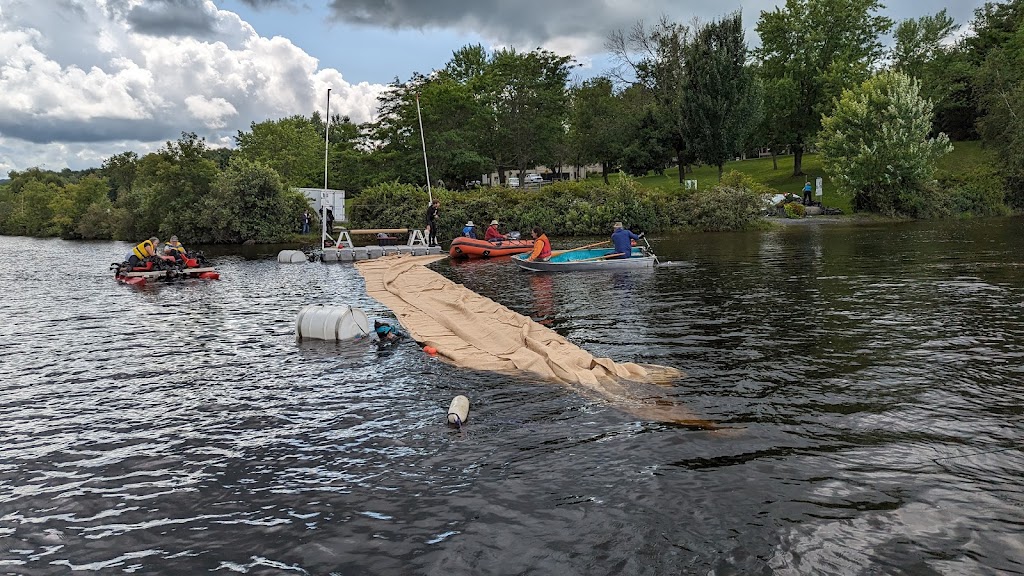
(873, 374)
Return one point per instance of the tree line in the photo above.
(821, 79)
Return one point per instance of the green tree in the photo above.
(293, 147)
(597, 123)
(526, 92)
(70, 205)
(823, 47)
(876, 145)
(655, 58)
(999, 86)
(723, 104)
(120, 171)
(249, 202)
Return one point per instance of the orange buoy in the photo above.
(430, 350)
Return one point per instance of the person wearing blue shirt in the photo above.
(807, 194)
(469, 230)
(622, 240)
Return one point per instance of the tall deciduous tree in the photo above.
(597, 123)
(822, 46)
(876, 145)
(293, 146)
(723, 105)
(656, 59)
(999, 85)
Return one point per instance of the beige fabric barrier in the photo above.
(477, 333)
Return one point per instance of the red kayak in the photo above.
(464, 247)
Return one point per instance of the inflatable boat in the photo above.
(464, 247)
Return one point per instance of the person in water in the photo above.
(386, 333)
(492, 234)
(469, 230)
(143, 251)
(622, 240)
(541, 246)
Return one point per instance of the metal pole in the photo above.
(423, 142)
(323, 195)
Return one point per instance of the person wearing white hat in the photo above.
(492, 234)
(469, 231)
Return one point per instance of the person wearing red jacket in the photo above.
(492, 234)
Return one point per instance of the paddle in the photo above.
(557, 252)
(605, 257)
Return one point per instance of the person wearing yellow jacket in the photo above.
(142, 251)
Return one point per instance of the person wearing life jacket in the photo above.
(469, 230)
(175, 249)
(143, 251)
(492, 234)
(541, 246)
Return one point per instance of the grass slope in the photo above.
(965, 155)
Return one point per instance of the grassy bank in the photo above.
(965, 157)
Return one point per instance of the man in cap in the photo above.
(492, 234)
(622, 240)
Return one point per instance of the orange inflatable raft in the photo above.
(464, 247)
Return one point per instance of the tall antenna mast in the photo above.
(423, 142)
(323, 195)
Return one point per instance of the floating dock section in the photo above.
(355, 253)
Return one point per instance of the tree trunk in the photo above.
(604, 171)
(720, 165)
(682, 167)
(798, 161)
(501, 175)
(775, 160)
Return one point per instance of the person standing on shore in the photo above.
(432, 222)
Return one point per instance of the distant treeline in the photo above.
(821, 79)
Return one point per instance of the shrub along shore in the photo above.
(247, 202)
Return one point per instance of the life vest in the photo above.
(140, 249)
(174, 246)
(545, 251)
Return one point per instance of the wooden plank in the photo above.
(379, 231)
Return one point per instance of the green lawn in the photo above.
(964, 155)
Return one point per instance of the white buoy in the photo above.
(291, 257)
(322, 322)
(458, 412)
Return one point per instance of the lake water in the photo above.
(872, 375)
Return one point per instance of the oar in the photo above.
(557, 252)
(605, 257)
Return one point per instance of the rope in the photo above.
(458, 421)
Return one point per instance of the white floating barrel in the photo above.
(322, 322)
(458, 412)
(291, 256)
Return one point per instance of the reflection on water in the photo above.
(871, 374)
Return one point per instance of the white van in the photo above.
(513, 182)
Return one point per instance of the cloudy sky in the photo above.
(82, 80)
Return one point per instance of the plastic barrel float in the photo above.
(458, 412)
(291, 257)
(326, 322)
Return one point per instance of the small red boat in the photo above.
(164, 269)
(465, 247)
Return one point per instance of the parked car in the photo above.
(534, 179)
(513, 182)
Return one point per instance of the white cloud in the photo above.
(81, 83)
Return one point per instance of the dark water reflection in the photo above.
(875, 372)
